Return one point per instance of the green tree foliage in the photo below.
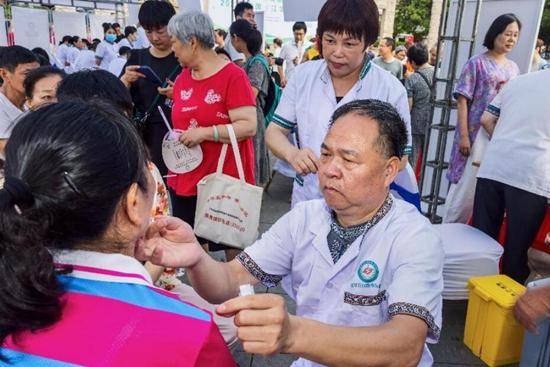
(413, 17)
(545, 24)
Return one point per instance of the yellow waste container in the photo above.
(492, 332)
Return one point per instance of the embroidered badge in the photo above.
(368, 271)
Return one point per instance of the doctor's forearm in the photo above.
(386, 345)
(278, 142)
(216, 281)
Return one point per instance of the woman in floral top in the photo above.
(481, 79)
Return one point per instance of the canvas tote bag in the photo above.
(228, 209)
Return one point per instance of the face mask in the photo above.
(110, 37)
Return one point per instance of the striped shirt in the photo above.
(114, 316)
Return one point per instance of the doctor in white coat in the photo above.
(345, 29)
(365, 269)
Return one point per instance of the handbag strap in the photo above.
(158, 96)
(236, 153)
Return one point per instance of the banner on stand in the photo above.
(31, 27)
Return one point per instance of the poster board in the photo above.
(31, 27)
(132, 14)
(96, 21)
(69, 23)
(188, 5)
(303, 10)
(3, 34)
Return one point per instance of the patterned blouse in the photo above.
(480, 81)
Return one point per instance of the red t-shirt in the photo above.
(206, 102)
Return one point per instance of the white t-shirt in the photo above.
(142, 41)
(308, 102)
(125, 42)
(519, 151)
(116, 65)
(9, 113)
(291, 51)
(62, 55)
(396, 267)
(231, 50)
(72, 55)
(107, 52)
(85, 60)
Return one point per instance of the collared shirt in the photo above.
(291, 51)
(309, 100)
(106, 52)
(9, 113)
(394, 268)
(114, 316)
(519, 151)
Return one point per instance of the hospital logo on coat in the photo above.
(368, 271)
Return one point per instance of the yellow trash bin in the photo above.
(491, 332)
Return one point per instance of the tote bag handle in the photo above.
(236, 153)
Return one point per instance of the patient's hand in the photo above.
(169, 242)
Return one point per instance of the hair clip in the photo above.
(71, 183)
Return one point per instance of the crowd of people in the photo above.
(94, 226)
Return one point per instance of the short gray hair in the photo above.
(191, 24)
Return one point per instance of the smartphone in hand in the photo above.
(149, 74)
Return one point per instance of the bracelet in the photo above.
(216, 133)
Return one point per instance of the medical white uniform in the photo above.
(395, 268)
(309, 100)
(62, 55)
(107, 52)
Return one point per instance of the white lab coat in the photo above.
(308, 102)
(395, 268)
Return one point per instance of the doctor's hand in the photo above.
(169, 242)
(263, 323)
(303, 161)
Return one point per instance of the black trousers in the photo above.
(153, 135)
(525, 212)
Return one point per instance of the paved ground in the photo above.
(450, 351)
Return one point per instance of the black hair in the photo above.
(154, 14)
(243, 29)
(74, 39)
(68, 166)
(299, 26)
(65, 39)
(42, 56)
(95, 84)
(107, 26)
(392, 131)
(499, 26)
(222, 51)
(124, 50)
(87, 43)
(357, 18)
(116, 25)
(418, 53)
(36, 75)
(129, 30)
(390, 42)
(241, 7)
(221, 32)
(278, 42)
(13, 56)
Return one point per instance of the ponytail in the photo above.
(29, 291)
